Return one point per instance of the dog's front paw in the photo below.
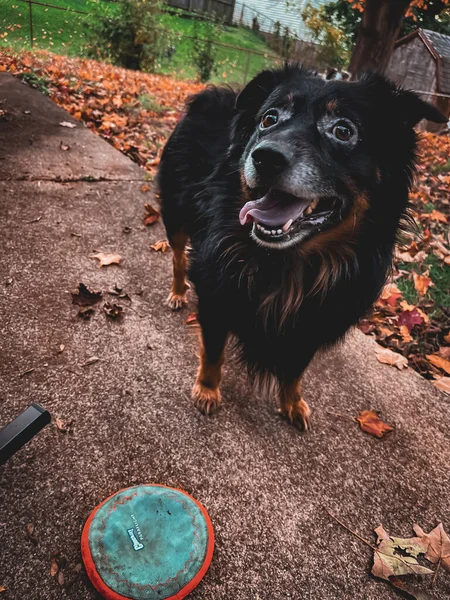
(177, 301)
(207, 400)
(299, 414)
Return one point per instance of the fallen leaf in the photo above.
(61, 348)
(63, 426)
(394, 359)
(372, 424)
(55, 567)
(113, 311)
(447, 338)
(68, 124)
(404, 257)
(422, 283)
(61, 578)
(64, 147)
(145, 188)
(439, 362)
(444, 352)
(405, 335)
(410, 318)
(391, 294)
(30, 533)
(106, 259)
(2, 589)
(160, 246)
(388, 562)
(443, 384)
(435, 215)
(86, 313)
(191, 319)
(91, 361)
(437, 543)
(366, 326)
(151, 216)
(85, 297)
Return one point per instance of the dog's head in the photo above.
(312, 152)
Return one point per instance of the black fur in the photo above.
(244, 288)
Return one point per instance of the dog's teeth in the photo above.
(309, 210)
(273, 232)
(287, 225)
(279, 231)
(313, 204)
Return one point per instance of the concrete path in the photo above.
(265, 485)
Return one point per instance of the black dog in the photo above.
(291, 194)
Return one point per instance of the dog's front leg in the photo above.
(292, 405)
(206, 393)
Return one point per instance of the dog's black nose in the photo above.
(269, 160)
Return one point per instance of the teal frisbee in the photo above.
(147, 542)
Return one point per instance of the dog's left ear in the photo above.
(413, 109)
(254, 93)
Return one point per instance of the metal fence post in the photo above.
(30, 4)
(247, 65)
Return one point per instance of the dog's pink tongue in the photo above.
(271, 211)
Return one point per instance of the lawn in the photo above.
(67, 32)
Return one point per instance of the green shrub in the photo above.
(204, 51)
(36, 81)
(134, 36)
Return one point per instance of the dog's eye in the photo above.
(342, 131)
(269, 119)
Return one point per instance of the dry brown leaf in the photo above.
(160, 246)
(113, 311)
(439, 362)
(437, 543)
(85, 297)
(151, 216)
(444, 351)
(394, 359)
(435, 215)
(191, 319)
(422, 283)
(55, 567)
(404, 257)
(406, 336)
(145, 187)
(372, 424)
(63, 426)
(2, 589)
(106, 259)
(443, 384)
(390, 294)
(68, 124)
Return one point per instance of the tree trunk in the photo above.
(380, 26)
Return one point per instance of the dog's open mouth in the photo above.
(276, 215)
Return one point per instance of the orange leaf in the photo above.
(152, 215)
(390, 294)
(145, 187)
(386, 356)
(406, 336)
(422, 283)
(191, 319)
(443, 384)
(160, 246)
(370, 423)
(439, 362)
(106, 259)
(435, 215)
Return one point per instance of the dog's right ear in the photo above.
(253, 95)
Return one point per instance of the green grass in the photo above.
(65, 32)
(440, 276)
(231, 64)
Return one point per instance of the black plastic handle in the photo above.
(20, 431)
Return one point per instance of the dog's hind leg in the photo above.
(293, 407)
(206, 393)
(177, 297)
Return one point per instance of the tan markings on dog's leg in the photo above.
(293, 407)
(177, 297)
(206, 393)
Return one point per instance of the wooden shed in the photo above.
(421, 62)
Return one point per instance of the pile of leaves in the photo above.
(133, 111)
(412, 316)
(136, 113)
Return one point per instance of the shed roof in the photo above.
(438, 44)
